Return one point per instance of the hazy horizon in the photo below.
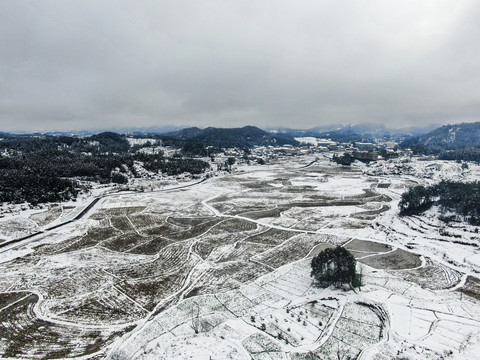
(165, 129)
(89, 65)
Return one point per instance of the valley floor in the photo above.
(220, 269)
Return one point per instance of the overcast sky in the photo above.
(73, 65)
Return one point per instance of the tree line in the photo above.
(38, 170)
(460, 198)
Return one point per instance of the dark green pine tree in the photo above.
(333, 267)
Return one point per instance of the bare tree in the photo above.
(195, 320)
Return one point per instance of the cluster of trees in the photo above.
(419, 148)
(448, 137)
(416, 200)
(465, 154)
(245, 137)
(173, 165)
(449, 142)
(39, 170)
(197, 148)
(107, 142)
(345, 159)
(469, 153)
(334, 266)
(344, 135)
(66, 163)
(178, 165)
(387, 154)
(462, 199)
(35, 189)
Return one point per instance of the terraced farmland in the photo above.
(227, 262)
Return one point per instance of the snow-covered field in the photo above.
(220, 269)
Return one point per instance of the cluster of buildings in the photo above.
(364, 151)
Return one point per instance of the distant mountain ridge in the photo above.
(355, 132)
(247, 136)
(136, 131)
(448, 137)
(186, 133)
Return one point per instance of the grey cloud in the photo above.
(67, 65)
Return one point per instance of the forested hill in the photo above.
(245, 137)
(39, 169)
(448, 137)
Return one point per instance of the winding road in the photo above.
(11, 244)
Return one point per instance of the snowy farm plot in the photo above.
(261, 320)
(221, 269)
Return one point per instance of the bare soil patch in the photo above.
(121, 223)
(9, 298)
(370, 214)
(194, 230)
(227, 276)
(244, 251)
(188, 221)
(145, 220)
(105, 306)
(471, 287)
(160, 230)
(25, 336)
(259, 214)
(433, 276)
(149, 292)
(170, 259)
(47, 216)
(150, 246)
(77, 244)
(271, 237)
(234, 226)
(101, 233)
(127, 210)
(123, 242)
(396, 260)
(213, 244)
(294, 249)
(367, 246)
(64, 246)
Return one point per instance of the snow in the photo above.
(135, 141)
(315, 141)
(474, 260)
(416, 312)
(198, 348)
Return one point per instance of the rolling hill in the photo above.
(448, 137)
(247, 136)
